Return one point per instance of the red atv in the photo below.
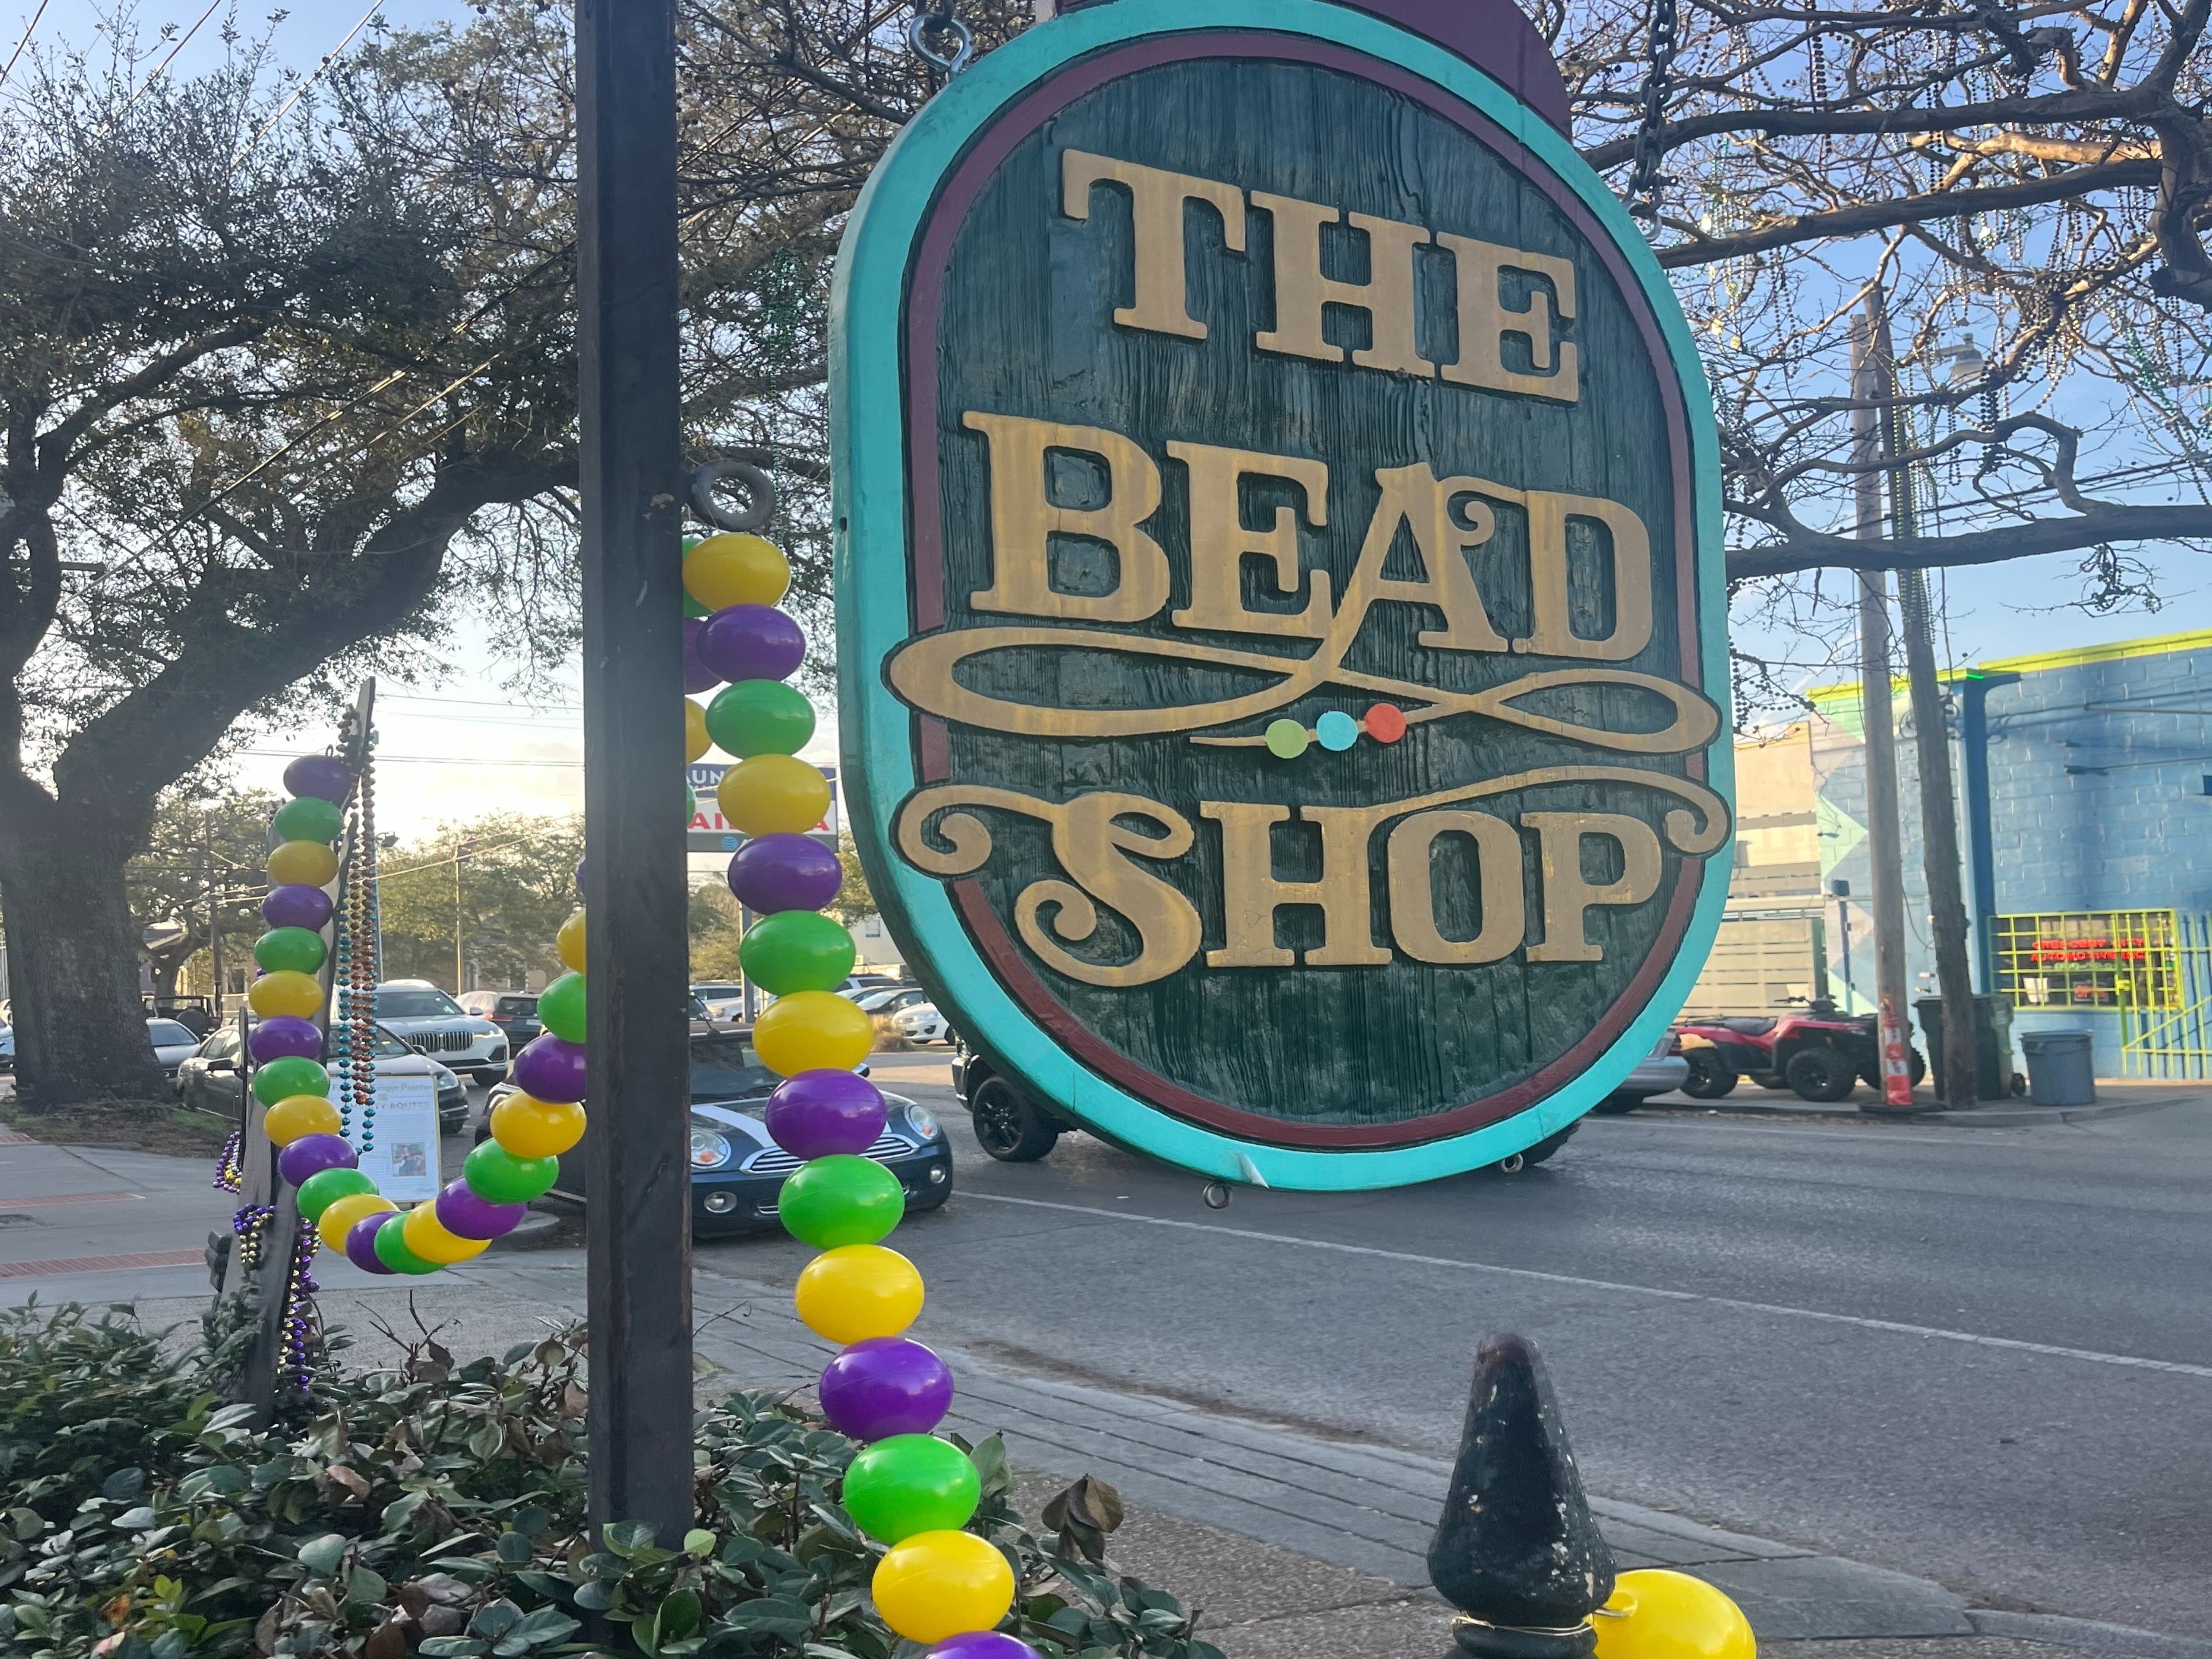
(1821, 1054)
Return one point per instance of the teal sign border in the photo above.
(869, 497)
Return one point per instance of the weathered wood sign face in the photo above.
(1280, 622)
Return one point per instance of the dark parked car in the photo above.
(209, 1080)
(737, 1172)
(515, 1012)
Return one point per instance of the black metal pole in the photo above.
(637, 1152)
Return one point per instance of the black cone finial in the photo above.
(1516, 1550)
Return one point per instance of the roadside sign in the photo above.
(1280, 589)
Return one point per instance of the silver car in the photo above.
(1658, 1072)
(174, 1044)
(431, 1023)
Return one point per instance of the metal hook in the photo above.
(760, 495)
(916, 38)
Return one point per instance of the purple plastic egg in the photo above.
(296, 906)
(361, 1241)
(819, 1113)
(784, 873)
(552, 1068)
(982, 1644)
(323, 776)
(751, 642)
(580, 863)
(464, 1214)
(697, 676)
(885, 1385)
(285, 1035)
(313, 1154)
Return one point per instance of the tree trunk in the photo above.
(73, 964)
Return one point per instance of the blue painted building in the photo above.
(2084, 784)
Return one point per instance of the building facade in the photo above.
(2084, 788)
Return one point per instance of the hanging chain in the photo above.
(937, 19)
(1644, 178)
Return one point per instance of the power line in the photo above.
(28, 29)
(155, 73)
(300, 91)
(425, 760)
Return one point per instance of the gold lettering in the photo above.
(1024, 520)
(1484, 321)
(1629, 562)
(1302, 292)
(1219, 539)
(1412, 495)
(1497, 883)
(1091, 847)
(1568, 894)
(1251, 895)
(1156, 226)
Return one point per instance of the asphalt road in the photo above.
(1984, 1357)
(1977, 1356)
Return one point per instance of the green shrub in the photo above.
(438, 1509)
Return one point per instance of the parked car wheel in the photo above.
(1821, 1074)
(1008, 1125)
(1711, 1075)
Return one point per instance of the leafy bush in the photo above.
(438, 1509)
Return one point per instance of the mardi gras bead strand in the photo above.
(937, 1583)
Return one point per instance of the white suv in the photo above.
(431, 1023)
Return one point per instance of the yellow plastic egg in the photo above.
(774, 794)
(695, 741)
(857, 1290)
(529, 1127)
(305, 863)
(286, 992)
(811, 1031)
(737, 569)
(299, 1115)
(338, 1218)
(937, 1585)
(426, 1236)
(570, 941)
(1657, 1614)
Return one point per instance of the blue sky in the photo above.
(530, 758)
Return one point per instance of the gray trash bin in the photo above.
(2059, 1071)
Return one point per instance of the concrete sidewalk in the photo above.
(2116, 1098)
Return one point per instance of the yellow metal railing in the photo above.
(2174, 1041)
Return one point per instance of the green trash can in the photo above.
(2059, 1069)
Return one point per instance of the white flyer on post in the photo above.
(403, 1162)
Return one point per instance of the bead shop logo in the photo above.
(1304, 651)
(1276, 627)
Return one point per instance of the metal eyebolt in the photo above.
(760, 495)
(1216, 1195)
(917, 33)
(1512, 1165)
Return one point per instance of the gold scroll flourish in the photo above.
(923, 674)
(1092, 848)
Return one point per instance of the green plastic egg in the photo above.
(327, 1186)
(760, 717)
(909, 1484)
(289, 1075)
(498, 1177)
(310, 817)
(294, 949)
(796, 951)
(841, 1199)
(561, 1008)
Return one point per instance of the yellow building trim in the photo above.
(2157, 645)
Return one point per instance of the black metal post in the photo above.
(636, 1154)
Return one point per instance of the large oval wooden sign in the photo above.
(1281, 613)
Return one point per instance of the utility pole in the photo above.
(637, 1153)
(461, 850)
(1884, 838)
(1939, 805)
(213, 914)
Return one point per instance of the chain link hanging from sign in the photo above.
(1644, 178)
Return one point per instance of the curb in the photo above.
(2090, 1634)
(1974, 1117)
